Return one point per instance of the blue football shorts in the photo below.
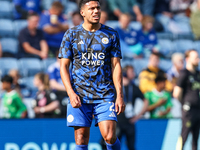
(83, 116)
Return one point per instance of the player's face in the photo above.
(6, 85)
(193, 58)
(161, 85)
(91, 12)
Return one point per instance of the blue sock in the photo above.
(81, 147)
(115, 146)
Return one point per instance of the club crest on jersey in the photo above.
(105, 40)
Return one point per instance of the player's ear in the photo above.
(82, 13)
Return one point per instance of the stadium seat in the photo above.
(6, 9)
(6, 28)
(18, 25)
(30, 66)
(166, 47)
(165, 64)
(164, 36)
(136, 25)
(9, 45)
(183, 45)
(47, 62)
(139, 65)
(7, 64)
(112, 23)
(28, 82)
(184, 36)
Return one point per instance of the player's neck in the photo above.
(190, 68)
(91, 27)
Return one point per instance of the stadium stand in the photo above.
(183, 45)
(166, 47)
(47, 62)
(6, 28)
(18, 25)
(30, 66)
(6, 10)
(11, 48)
(7, 64)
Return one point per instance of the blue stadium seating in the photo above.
(8, 64)
(47, 62)
(164, 36)
(6, 9)
(186, 36)
(165, 64)
(183, 45)
(28, 81)
(139, 65)
(166, 47)
(136, 25)
(9, 45)
(18, 25)
(112, 23)
(6, 28)
(30, 66)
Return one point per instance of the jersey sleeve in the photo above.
(116, 50)
(147, 96)
(65, 50)
(181, 80)
(20, 105)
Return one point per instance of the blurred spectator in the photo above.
(125, 6)
(31, 40)
(56, 84)
(104, 17)
(159, 100)
(148, 7)
(148, 75)
(13, 107)
(47, 105)
(77, 19)
(195, 18)
(21, 89)
(25, 7)
(147, 36)
(178, 65)
(129, 37)
(54, 25)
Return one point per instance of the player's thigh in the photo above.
(108, 128)
(82, 135)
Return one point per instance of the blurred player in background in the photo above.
(13, 107)
(95, 87)
(187, 91)
(159, 99)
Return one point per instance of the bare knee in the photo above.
(110, 138)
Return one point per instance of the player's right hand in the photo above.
(75, 100)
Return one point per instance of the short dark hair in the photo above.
(7, 78)
(32, 14)
(57, 4)
(160, 78)
(158, 54)
(83, 2)
(187, 53)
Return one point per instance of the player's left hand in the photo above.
(119, 105)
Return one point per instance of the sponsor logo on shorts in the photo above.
(70, 118)
(112, 115)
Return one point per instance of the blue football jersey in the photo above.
(91, 53)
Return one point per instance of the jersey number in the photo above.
(112, 106)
